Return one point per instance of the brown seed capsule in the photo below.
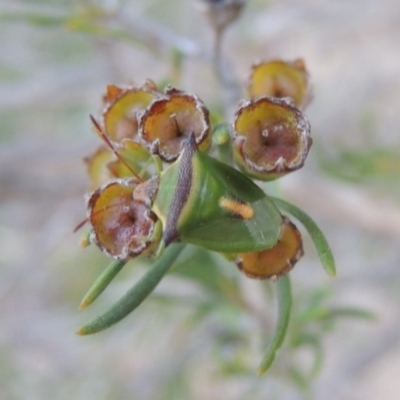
(168, 121)
(276, 261)
(124, 108)
(102, 165)
(97, 166)
(278, 78)
(121, 226)
(270, 138)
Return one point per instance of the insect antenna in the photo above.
(80, 225)
(108, 142)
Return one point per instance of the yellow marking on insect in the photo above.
(85, 240)
(242, 210)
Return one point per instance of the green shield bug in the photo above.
(204, 202)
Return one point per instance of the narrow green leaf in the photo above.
(77, 23)
(134, 297)
(101, 283)
(87, 26)
(284, 308)
(350, 312)
(40, 19)
(321, 244)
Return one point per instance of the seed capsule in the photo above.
(278, 78)
(270, 138)
(121, 226)
(276, 261)
(124, 107)
(168, 122)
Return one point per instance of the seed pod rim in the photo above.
(149, 216)
(297, 64)
(281, 166)
(147, 87)
(290, 262)
(203, 140)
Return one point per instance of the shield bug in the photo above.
(210, 204)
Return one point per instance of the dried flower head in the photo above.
(271, 138)
(169, 120)
(103, 165)
(278, 78)
(122, 227)
(276, 261)
(97, 166)
(123, 109)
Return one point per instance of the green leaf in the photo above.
(77, 23)
(350, 312)
(40, 19)
(284, 308)
(134, 297)
(320, 242)
(101, 283)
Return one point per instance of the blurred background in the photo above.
(56, 59)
